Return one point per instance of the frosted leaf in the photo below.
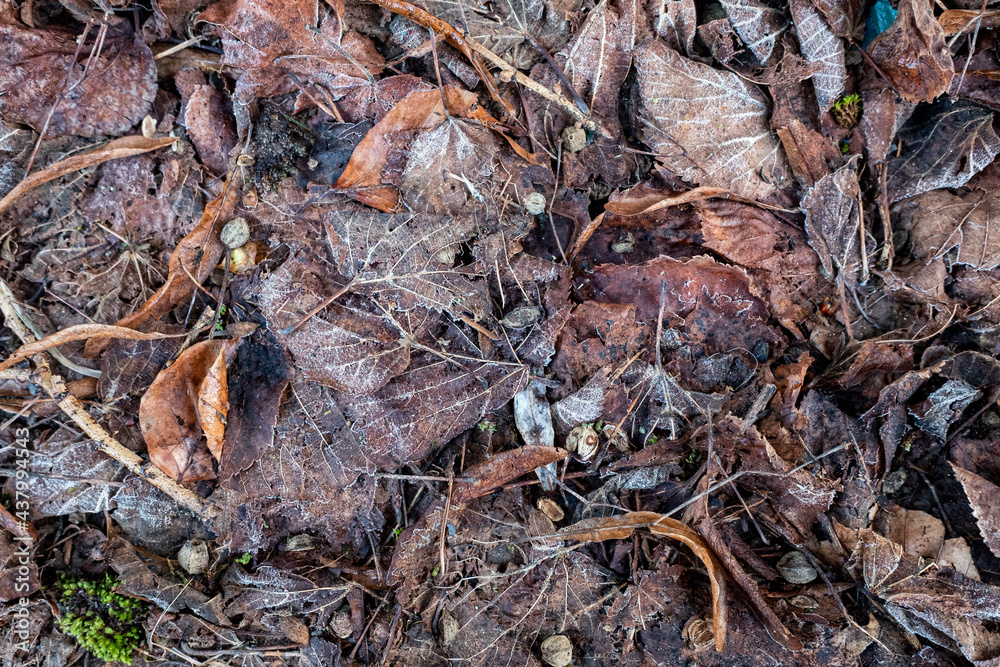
(676, 23)
(832, 220)
(940, 222)
(708, 127)
(757, 24)
(820, 45)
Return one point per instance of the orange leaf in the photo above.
(185, 401)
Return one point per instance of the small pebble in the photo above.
(557, 651)
(236, 233)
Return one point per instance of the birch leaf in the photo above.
(707, 126)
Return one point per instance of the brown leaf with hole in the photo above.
(187, 400)
(79, 332)
(984, 497)
(619, 527)
(119, 148)
(107, 96)
(392, 136)
(196, 255)
(913, 53)
(708, 127)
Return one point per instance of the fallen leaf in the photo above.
(205, 118)
(833, 223)
(197, 254)
(676, 23)
(944, 146)
(820, 45)
(955, 21)
(119, 148)
(919, 533)
(621, 526)
(40, 67)
(984, 497)
(187, 400)
(709, 127)
(758, 25)
(943, 407)
(913, 53)
(942, 224)
(79, 332)
(267, 41)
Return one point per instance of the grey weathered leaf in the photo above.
(944, 406)
(820, 45)
(707, 126)
(942, 148)
(758, 25)
(984, 497)
(965, 227)
(833, 220)
(676, 23)
(534, 421)
(584, 405)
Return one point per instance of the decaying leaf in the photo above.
(79, 332)
(833, 222)
(37, 69)
(758, 24)
(187, 400)
(943, 147)
(196, 255)
(709, 127)
(914, 53)
(621, 526)
(960, 228)
(984, 497)
(820, 45)
(676, 22)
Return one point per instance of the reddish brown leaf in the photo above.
(984, 497)
(106, 97)
(187, 400)
(913, 53)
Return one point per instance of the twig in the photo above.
(972, 49)
(56, 388)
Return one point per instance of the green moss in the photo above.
(102, 621)
(847, 110)
(244, 559)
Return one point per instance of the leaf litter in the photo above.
(524, 297)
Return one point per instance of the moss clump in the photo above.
(102, 621)
(847, 111)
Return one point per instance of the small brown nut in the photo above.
(574, 139)
(796, 568)
(235, 234)
(193, 556)
(250, 198)
(534, 203)
(551, 509)
(522, 317)
(557, 651)
(616, 436)
(699, 633)
(298, 543)
(803, 602)
(584, 441)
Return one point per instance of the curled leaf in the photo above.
(78, 332)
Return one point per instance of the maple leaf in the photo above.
(707, 126)
(820, 45)
(36, 66)
(758, 25)
(965, 226)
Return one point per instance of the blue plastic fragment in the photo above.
(881, 16)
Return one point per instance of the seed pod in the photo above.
(522, 317)
(584, 441)
(574, 139)
(534, 203)
(340, 624)
(236, 233)
(193, 556)
(551, 509)
(557, 651)
(796, 568)
(698, 633)
(244, 160)
(298, 543)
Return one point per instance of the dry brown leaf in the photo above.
(963, 227)
(420, 110)
(955, 21)
(708, 127)
(676, 22)
(110, 95)
(833, 222)
(919, 533)
(820, 45)
(187, 400)
(197, 254)
(913, 53)
(79, 332)
(598, 529)
(119, 148)
(984, 497)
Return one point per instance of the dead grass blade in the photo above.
(119, 148)
(79, 332)
(622, 526)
